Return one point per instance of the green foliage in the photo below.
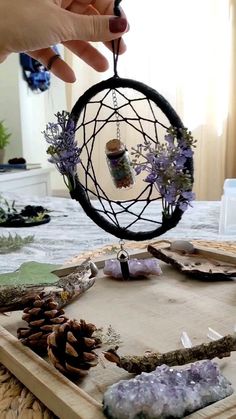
(4, 135)
(37, 218)
(29, 214)
(30, 273)
(11, 243)
(6, 209)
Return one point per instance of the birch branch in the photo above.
(63, 291)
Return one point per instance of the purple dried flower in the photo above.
(183, 205)
(150, 178)
(188, 195)
(63, 148)
(180, 161)
(165, 165)
(188, 152)
(138, 169)
(170, 139)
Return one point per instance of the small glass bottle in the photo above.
(119, 164)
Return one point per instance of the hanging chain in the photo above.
(115, 104)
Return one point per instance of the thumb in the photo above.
(93, 27)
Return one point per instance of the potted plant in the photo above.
(4, 140)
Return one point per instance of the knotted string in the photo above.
(116, 44)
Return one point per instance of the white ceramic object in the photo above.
(227, 224)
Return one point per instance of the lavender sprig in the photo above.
(63, 149)
(164, 165)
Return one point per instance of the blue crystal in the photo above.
(166, 392)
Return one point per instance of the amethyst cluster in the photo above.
(167, 392)
(138, 268)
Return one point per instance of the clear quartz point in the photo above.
(213, 335)
(185, 340)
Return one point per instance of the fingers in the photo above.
(88, 54)
(84, 7)
(105, 7)
(77, 7)
(59, 67)
(82, 49)
(93, 28)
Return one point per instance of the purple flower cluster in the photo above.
(164, 164)
(63, 149)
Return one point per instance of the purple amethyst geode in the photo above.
(166, 392)
(137, 268)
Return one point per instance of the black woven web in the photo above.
(136, 210)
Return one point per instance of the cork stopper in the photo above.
(114, 147)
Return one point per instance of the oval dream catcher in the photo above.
(122, 149)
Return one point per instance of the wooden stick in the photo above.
(136, 364)
(63, 291)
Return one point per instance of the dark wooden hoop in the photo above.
(79, 194)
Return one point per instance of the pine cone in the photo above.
(70, 347)
(41, 316)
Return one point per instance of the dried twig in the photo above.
(63, 291)
(136, 364)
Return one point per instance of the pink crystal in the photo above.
(137, 268)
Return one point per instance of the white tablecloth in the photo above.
(71, 232)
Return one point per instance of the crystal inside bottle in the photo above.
(119, 164)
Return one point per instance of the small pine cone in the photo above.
(70, 347)
(42, 315)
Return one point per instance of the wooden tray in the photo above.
(149, 315)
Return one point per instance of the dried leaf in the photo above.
(30, 273)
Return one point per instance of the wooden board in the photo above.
(60, 395)
(149, 315)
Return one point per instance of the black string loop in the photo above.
(116, 44)
(115, 48)
(117, 11)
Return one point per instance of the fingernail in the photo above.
(117, 24)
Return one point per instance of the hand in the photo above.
(33, 26)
